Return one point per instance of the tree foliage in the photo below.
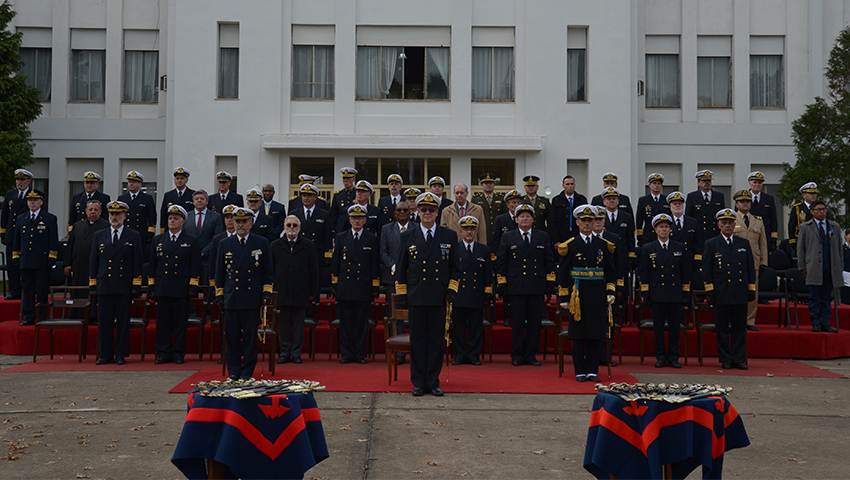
(19, 104)
(822, 139)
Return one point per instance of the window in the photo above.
(88, 75)
(662, 71)
(576, 64)
(672, 176)
(228, 60)
(414, 171)
(578, 169)
(321, 168)
(312, 72)
(141, 66)
(766, 84)
(37, 65)
(403, 73)
(147, 187)
(492, 73)
(503, 170)
(714, 80)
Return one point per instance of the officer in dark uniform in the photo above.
(243, 283)
(355, 278)
(426, 281)
(475, 292)
(116, 278)
(263, 225)
(492, 204)
(730, 282)
(525, 270)
(648, 207)
(181, 195)
(684, 228)
(621, 260)
(800, 213)
(610, 180)
(78, 255)
(35, 249)
(224, 196)
(702, 204)
(373, 215)
(665, 284)
(295, 200)
(764, 206)
(386, 205)
(174, 274)
(541, 204)
(342, 199)
(142, 214)
(296, 281)
(410, 195)
(438, 186)
(77, 212)
(586, 278)
(15, 203)
(315, 224)
(503, 224)
(229, 230)
(619, 222)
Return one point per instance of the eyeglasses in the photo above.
(291, 225)
(427, 209)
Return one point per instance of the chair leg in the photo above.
(201, 342)
(545, 342)
(640, 334)
(560, 356)
(331, 342)
(389, 367)
(51, 344)
(490, 345)
(685, 336)
(80, 346)
(699, 342)
(620, 346)
(35, 347)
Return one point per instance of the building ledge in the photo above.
(402, 142)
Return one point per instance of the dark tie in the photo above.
(291, 244)
(223, 198)
(429, 237)
(395, 201)
(89, 195)
(200, 222)
(664, 246)
(613, 218)
(729, 241)
(588, 240)
(356, 237)
(679, 223)
(114, 237)
(755, 201)
(462, 211)
(525, 237)
(469, 248)
(242, 241)
(173, 238)
(20, 195)
(32, 218)
(570, 212)
(179, 195)
(307, 217)
(747, 220)
(822, 231)
(133, 197)
(706, 198)
(654, 199)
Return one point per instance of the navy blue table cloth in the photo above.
(278, 436)
(636, 439)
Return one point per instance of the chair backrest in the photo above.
(140, 308)
(396, 314)
(797, 280)
(768, 280)
(778, 260)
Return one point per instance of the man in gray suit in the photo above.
(390, 235)
(820, 260)
(203, 223)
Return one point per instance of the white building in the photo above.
(268, 89)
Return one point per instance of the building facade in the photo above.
(268, 89)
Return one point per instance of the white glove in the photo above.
(611, 299)
(565, 305)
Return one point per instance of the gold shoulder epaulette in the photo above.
(338, 191)
(293, 197)
(564, 247)
(611, 246)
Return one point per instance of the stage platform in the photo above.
(771, 341)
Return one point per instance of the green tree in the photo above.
(822, 139)
(19, 104)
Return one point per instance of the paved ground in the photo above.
(124, 425)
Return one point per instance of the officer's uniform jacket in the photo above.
(277, 214)
(78, 250)
(216, 205)
(141, 216)
(527, 270)
(799, 215)
(475, 275)
(36, 243)
(625, 229)
(424, 274)
(77, 211)
(621, 257)
(12, 207)
(174, 269)
(703, 213)
(687, 235)
(295, 203)
(624, 206)
(296, 272)
(373, 220)
(592, 266)
(491, 211)
(214, 255)
(387, 209)
(116, 269)
(729, 271)
(504, 224)
(756, 235)
(647, 209)
(765, 208)
(169, 199)
(355, 269)
(559, 221)
(243, 275)
(665, 276)
(264, 226)
(542, 207)
(340, 202)
(318, 230)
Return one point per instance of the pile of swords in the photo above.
(673, 393)
(243, 389)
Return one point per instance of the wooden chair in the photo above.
(489, 318)
(199, 319)
(798, 292)
(270, 332)
(563, 335)
(140, 318)
(772, 287)
(310, 324)
(64, 303)
(547, 324)
(395, 342)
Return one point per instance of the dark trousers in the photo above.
(114, 313)
(241, 337)
(587, 354)
(14, 272)
(736, 316)
(172, 318)
(353, 325)
(35, 284)
(427, 332)
(467, 333)
(820, 301)
(666, 316)
(526, 316)
(290, 332)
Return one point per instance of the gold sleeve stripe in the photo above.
(563, 292)
(488, 290)
(376, 282)
(137, 282)
(52, 254)
(709, 287)
(194, 281)
(610, 287)
(501, 279)
(644, 287)
(267, 288)
(698, 256)
(212, 282)
(453, 285)
(621, 282)
(219, 292)
(92, 282)
(334, 279)
(773, 235)
(639, 232)
(161, 230)
(686, 287)
(631, 254)
(151, 281)
(16, 254)
(400, 288)
(492, 257)
(550, 277)
(793, 240)
(70, 227)
(752, 287)
(2, 230)
(329, 254)
(152, 229)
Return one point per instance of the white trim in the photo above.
(401, 142)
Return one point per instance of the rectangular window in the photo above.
(312, 72)
(414, 171)
(766, 83)
(578, 169)
(714, 83)
(662, 71)
(37, 66)
(492, 73)
(228, 60)
(576, 64)
(141, 71)
(403, 73)
(88, 75)
(502, 170)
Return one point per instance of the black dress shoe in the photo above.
(534, 362)
(581, 378)
(283, 360)
(178, 361)
(816, 328)
(726, 366)
(740, 366)
(516, 363)
(160, 361)
(829, 329)
(361, 361)
(476, 362)
(437, 392)
(418, 392)
(592, 378)
(675, 364)
(457, 362)
(346, 360)
(103, 361)
(752, 328)
(245, 377)
(219, 361)
(297, 360)
(120, 361)
(12, 297)
(660, 364)
(400, 359)
(233, 377)
(506, 323)
(26, 324)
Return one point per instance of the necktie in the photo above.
(20, 194)
(755, 201)
(462, 211)
(403, 228)
(32, 218)
(570, 212)
(679, 223)
(291, 244)
(588, 240)
(489, 199)
(747, 220)
(822, 231)
(173, 238)
(179, 195)
(429, 237)
(729, 241)
(267, 208)
(654, 199)
(613, 219)
(133, 197)
(664, 246)
(525, 237)
(223, 198)
(356, 237)
(706, 198)
(395, 201)
(200, 222)
(469, 248)
(114, 237)
(307, 217)
(242, 241)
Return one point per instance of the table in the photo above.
(278, 436)
(638, 439)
